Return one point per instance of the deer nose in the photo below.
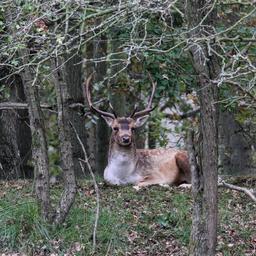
(125, 139)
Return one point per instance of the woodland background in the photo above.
(202, 55)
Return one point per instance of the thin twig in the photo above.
(176, 116)
(242, 89)
(86, 161)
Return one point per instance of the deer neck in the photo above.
(122, 160)
(115, 150)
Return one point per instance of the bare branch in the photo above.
(249, 192)
(19, 105)
(242, 89)
(52, 108)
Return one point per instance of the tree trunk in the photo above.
(36, 120)
(23, 132)
(67, 160)
(15, 135)
(9, 153)
(90, 126)
(204, 225)
(102, 130)
(73, 81)
(39, 142)
(151, 139)
(136, 71)
(236, 146)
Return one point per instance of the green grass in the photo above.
(152, 221)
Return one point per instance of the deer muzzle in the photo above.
(125, 140)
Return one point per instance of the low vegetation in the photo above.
(152, 221)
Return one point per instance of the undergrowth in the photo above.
(152, 221)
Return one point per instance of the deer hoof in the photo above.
(164, 185)
(137, 188)
(185, 186)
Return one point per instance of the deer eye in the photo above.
(132, 128)
(115, 128)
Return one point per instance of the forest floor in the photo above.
(152, 221)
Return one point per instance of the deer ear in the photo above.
(141, 121)
(108, 120)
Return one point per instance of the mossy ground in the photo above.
(152, 221)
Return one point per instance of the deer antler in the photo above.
(149, 107)
(134, 110)
(112, 109)
(88, 96)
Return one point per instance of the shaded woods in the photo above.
(201, 54)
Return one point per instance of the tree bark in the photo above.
(102, 130)
(15, 135)
(67, 160)
(136, 71)
(236, 145)
(23, 132)
(36, 120)
(9, 153)
(151, 139)
(91, 127)
(74, 94)
(39, 142)
(204, 225)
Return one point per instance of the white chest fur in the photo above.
(121, 170)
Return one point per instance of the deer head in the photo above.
(122, 127)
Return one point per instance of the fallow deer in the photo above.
(141, 167)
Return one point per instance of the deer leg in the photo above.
(147, 181)
(184, 167)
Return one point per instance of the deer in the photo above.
(139, 167)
